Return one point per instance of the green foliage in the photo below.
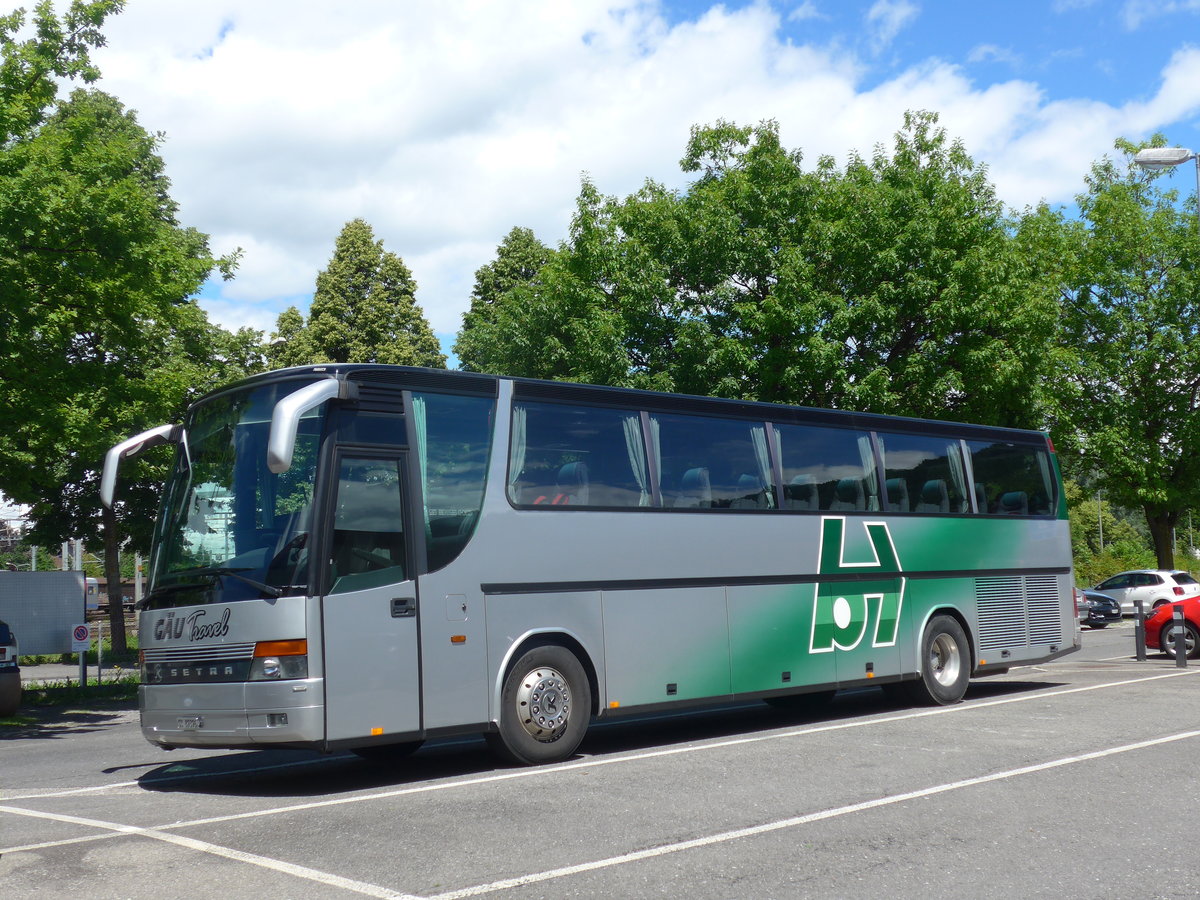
(20, 557)
(1129, 379)
(895, 285)
(119, 689)
(519, 259)
(97, 338)
(1104, 539)
(58, 50)
(364, 310)
(1090, 570)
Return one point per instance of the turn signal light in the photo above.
(281, 648)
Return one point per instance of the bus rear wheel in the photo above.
(545, 707)
(945, 663)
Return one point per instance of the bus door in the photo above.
(369, 613)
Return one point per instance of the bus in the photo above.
(363, 557)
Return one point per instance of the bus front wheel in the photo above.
(545, 707)
(945, 663)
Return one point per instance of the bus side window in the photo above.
(1012, 479)
(368, 547)
(923, 474)
(827, 468)
(572, 457)
(711, 463)
(454, 437)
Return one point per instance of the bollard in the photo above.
(1180, 636)
(1139, 630)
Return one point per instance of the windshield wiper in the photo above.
(267, 589)
(165, 589)
(218, 571)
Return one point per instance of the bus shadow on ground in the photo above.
(300, 774)
(39, 724)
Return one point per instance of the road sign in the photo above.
(81, 638)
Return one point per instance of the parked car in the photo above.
(1153, 587)
(1160, 628)
(10, 672)
(1102, 610)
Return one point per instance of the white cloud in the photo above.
(1135, 12)
(993, 53)
(887, 18)
(445, 125)
(806, 11)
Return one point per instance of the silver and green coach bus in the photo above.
(362, 557)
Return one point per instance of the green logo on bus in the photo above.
(844, 609)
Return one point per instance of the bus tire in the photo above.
(545, 707)
(945, 663)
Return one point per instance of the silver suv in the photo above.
(1153, 587)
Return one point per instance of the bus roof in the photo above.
(453, 381)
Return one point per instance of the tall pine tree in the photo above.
(519, 259)
(364, 310)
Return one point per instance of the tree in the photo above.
(893, 285)
(364, 310)
(519, 259)
(1128, 391)
(29, 69)
(97, 339)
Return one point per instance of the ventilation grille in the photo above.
(1018, 612)
(199, 653)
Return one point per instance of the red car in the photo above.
(1160, 629)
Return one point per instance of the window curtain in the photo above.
(636, 449)
(517, 445)
(656, 448)
(762, 457)
(870, 482)
(959, 472)
(420, 420)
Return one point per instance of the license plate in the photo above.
(189, 723)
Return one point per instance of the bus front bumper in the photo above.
(233, 715)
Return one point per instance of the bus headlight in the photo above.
(278, 660)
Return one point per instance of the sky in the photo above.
(444, 125)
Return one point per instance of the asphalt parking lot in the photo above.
(1075, 779)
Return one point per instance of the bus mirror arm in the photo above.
(285, 420)
(163, 434)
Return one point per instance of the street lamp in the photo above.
(1167, 157)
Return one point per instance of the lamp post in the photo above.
(1166, 158)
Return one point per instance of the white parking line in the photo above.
(162, 832)
(523, 773)
(372, 890)
(664, 849)
(326, 878)
(167, 779)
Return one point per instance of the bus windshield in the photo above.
(230, 529)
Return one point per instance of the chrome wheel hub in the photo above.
(544, 704)
(944, 660)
